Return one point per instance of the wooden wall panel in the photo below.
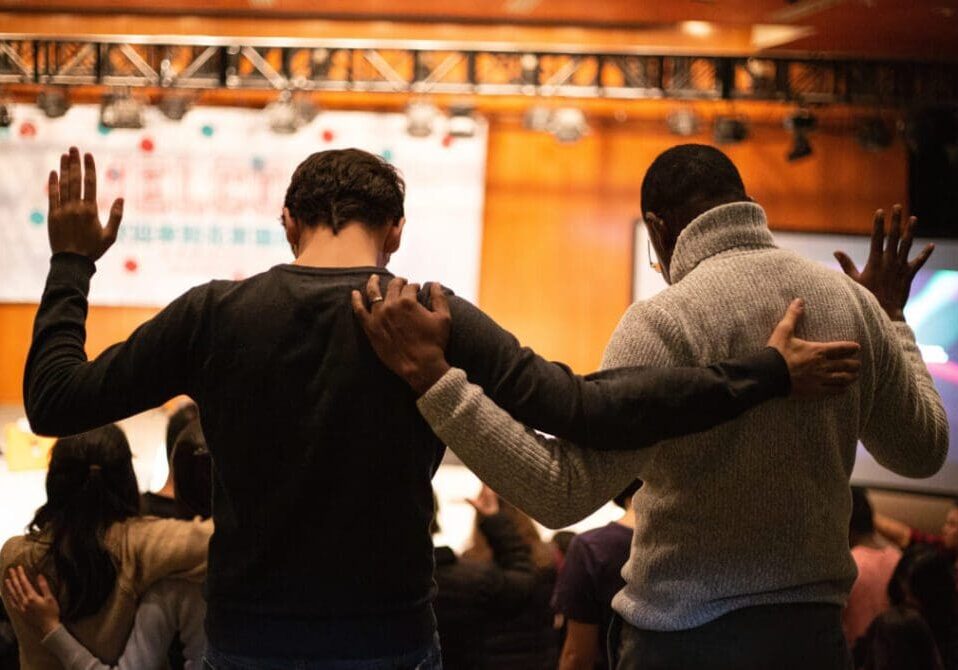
(557, 245)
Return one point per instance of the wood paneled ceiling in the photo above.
(920, 29)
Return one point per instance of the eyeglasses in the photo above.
(653, 259)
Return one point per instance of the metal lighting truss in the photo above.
(423, 67)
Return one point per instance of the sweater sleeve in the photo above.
(624, 408)
(161, 548)
(146, 649)
(64, 393)
(554, 481)
(907, 428)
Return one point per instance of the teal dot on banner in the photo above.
(4, 131)
(258, 163)
(387, 155)
(207, 130)
(103, 130)
(36, 217)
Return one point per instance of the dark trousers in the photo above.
(805, 636)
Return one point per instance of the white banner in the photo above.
(203, 197)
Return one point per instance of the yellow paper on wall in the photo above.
(24, 450)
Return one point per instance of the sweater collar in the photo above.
(738, 225)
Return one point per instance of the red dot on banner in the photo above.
(146, 144)
(447, 141)
(131, 265)
(27, 129)
(328, 136)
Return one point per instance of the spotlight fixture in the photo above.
(284, 117)
(730, 129)
(419, 118)
(874, 134)
(121, 110)
(175, 105)
(306, 108)
(462, 121)
(801, 123)
(54, 101)
(568, 124)
(683, 122)
(537, 119)
(6, 115)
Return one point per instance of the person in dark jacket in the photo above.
(473, 593)
(528, 639)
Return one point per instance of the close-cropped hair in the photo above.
(687, 174)
(90, 486)
(179, 420)
(192, 467)
(332, 188)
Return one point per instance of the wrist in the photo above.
(423, 376)
(49, 626)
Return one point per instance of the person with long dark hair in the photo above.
(900, 639)
(925, 580)
(94, 551)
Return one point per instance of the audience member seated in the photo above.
(526, 640)
(472, 593)
(93, 550)
(162, 503)
(170, 615)
(591, 576)
(904, 536)
(876, 561)
(899, 639)
(925, 580)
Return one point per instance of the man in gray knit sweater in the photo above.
(740, 557)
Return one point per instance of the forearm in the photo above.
(893, 530)
(627, 408)
(554, 481)
(64, 393)
(74, 656)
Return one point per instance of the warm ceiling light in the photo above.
(696, 28)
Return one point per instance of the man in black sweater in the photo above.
(303, 420)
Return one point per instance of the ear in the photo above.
(293, 231)
(658, 230)
(394, 236)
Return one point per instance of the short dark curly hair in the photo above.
(331, 188)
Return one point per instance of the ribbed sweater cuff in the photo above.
(444, 397)
(59, 643)
(72, 269)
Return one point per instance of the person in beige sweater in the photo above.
(740, 557)
(94, 550)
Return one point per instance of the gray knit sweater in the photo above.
(752, 512)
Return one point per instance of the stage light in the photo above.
(419, 118)
(121, 110)
(54, 101)
(6, 115)
(537, 119)
(730, 129)
(696, 28)
(874, 134)
(284, 117)
(683, 122)
(175, 105)
(800, 124)
(462, 121)
(568, 124)
(306, 108)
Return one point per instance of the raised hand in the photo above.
(888, 273)
(408, 338)
(816, 368)
(73, 220)
(486, 503)
(40, 608)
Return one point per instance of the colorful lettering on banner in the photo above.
(203, 196)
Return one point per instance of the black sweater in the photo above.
(322, 500)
